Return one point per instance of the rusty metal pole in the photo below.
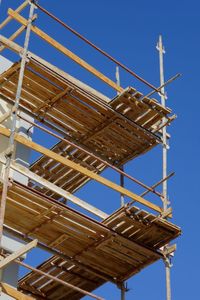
(161, 50)
(96, 48)
(10, 150)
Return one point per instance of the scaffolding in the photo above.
(94, 132)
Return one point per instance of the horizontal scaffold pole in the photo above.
(16, 48)
(56, 279)
(17, 33)
(67, 141)
(9, 18)
(91, 270)
(24, 249)
(65, 51)
(97, 48)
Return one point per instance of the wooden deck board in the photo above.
(102, 246)
(117, 131)
(84, 116)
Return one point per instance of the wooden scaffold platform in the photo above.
(94, 132)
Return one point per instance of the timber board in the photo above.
(116, 130)
(105, 246)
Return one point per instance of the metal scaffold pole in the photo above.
(122, 167)
(161, 50)
(122, 288)
(164, 131)
(9, 153)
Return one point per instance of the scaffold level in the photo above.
(119, 247)
(93, 132)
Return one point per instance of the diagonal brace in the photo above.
(9, 259)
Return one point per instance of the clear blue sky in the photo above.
(129, 31)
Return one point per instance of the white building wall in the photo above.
(22, 153)
(9, 275)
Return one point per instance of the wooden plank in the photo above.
(39, 81)
(65, 51)
(32, 200)
(10, 97)
(25, 206)
(170, 249)
(59, 240)
(9, 18)
(122, 256)
(52, 101)
(154, 103)
(15, 67)
(16, 33)
(69, 220)
(48, 232)
(31, 93)
(77, 167)
(25, 100)
(46, 70)
(6, 261)
(59, 280)
(23, 170)
(60, 78)
(28, 289)
(10, 291)
(14, 36)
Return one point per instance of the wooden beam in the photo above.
(16, 33)
(25, 171)
(10, 291)
(65, 51)
(169, 250)
(14, 68)
(49, 103)
(65, 161)
(90, 269)
(9, 18)
(167, 213)
(46, 65)
(58, 280)
(59, 240)
(14, 36)
(11, 45)
(9, 259)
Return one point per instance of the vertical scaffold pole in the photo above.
(10, 150)
(122, 184)
(122, 167)
(164, 131)
(161, 50)
(122, 288)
